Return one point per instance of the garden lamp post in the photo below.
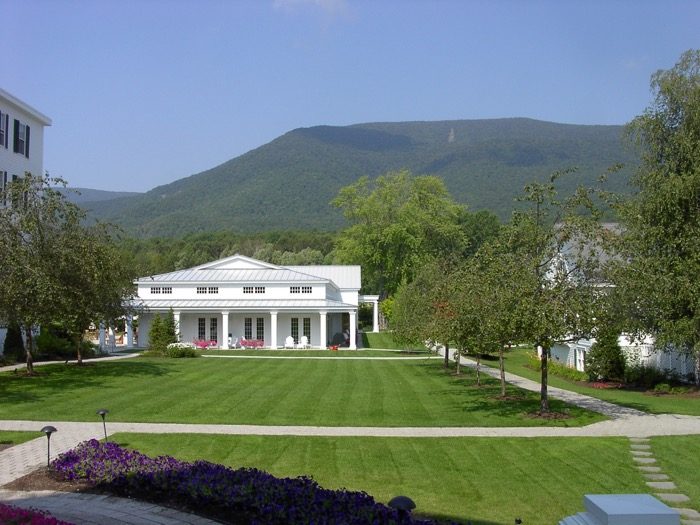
(403, 505)
(103, 412)
(48, 430)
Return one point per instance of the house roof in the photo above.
(26, 108)
(241, 269)
(258, 275)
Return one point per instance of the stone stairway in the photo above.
(664, 487)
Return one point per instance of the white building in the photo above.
(21, 147)
(21, 138)
(242, 301)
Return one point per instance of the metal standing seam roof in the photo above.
(262, 275)
(244, 304)
(344, 276)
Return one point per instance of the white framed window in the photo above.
(167, 289)
(247, 289)
(260, 328)
(295, 289)
(214, 329)
(248, 328)
(295, 329)
(21, 139)
(306, 289)
(4, 129)
(201, 289)
(201, 328)
(155, 289)
(307, 328)
(213, 289)
(259, 289)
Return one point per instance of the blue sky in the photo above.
(145, 92)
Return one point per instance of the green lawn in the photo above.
(343, 352)
(516, 361)
(15, 438)
(488, 480)
(678, 457)
(326, 392)
(386, 340)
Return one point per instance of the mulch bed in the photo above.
(42, 479)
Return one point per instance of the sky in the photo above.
(145, 92)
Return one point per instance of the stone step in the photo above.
(643, 460)
(639, 440)
(672, 498)
(635, 446)
(641, 453)
(646, 468)
(688, 513)
(656, 477)
(662, 485)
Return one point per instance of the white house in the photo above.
(21, 147)
(242, 301)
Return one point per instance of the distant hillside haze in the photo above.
(82, 195)
(288, 183)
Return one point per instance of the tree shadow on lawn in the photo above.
(47, 380)
(519, 405)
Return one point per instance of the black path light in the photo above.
(48, 430)
(403, 505)
(103, 412)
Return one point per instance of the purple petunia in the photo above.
(243, 495)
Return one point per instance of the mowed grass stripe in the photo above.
(271, 392)
(487, 480)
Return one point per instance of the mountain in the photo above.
(82, 195)
(289, 182)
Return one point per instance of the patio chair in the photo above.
(304, 342)
(289, 342)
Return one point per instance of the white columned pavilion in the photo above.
(374, 299)
(224, 330)
(323, 336)
(353, 331)
(273, 330)
(101, 337)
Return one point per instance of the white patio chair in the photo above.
(289, 342)
(304, 342)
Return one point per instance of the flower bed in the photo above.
(16, 516)
(233, 496)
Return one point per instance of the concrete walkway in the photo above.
(91, 509)
(114, 357)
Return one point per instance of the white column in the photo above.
(322, 330)
(176, 316)
(353, 331)
(102, 336)
(273, 330)
(129, 331)
(224, 330)
(375, 316)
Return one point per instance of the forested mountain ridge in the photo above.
(289, 182)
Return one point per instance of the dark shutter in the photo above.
(26, 141)
(15, 140)
(7, 127)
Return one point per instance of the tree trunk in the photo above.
(28, 351)
(447, 355)
(544, 399)
(502, 369)
(458, 353)
(77, 350)
(478, 369)
(697, 367)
